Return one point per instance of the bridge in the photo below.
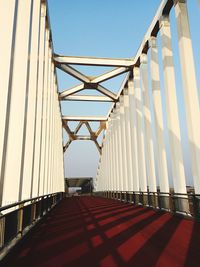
(133, 217)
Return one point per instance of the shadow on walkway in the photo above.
(98, 232)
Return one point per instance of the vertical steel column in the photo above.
(119, 144)
(16, 107)
(189, 88)
(133, 129)
(140, 131)
(113, 151)
(8, 14)
(60, 152)
(31, 102)
(101, 176)
(106, 160)
(161, 157)
(110, 156)
(123, 144)
(52, 134)
(50, 130)
(117, 151)
(150, 161)
(129, 158)
(44, 116)
(47, 118)
(172, 109)
(39, 108)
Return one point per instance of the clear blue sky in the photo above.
(107, 29)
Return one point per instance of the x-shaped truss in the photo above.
(121, 66)
(64, 63)
(93, 136)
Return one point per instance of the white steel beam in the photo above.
(160, 151)
(123, 144)
(189, 89)
(73, 72)
(93, 98)
(172, 108)
(93, 61)
(8, 13)
(14, 124)
(39, 107)
(82, 137)
(109, 75)
(30, 108)
(117, 150)
(82, 118)
(106, 92)
(128, 141)
(133, 128)
(71, 91)
(150, 162)
(140, 132)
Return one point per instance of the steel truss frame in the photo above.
(64, 63)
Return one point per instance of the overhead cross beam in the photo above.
(84, 118)
(93, 61)
(93, 98)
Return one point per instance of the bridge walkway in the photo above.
(90, 231)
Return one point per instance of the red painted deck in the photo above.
(97, 232)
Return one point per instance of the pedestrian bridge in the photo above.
(133, 216)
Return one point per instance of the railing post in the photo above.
(33, 211)
(20, 219)
(2, 231)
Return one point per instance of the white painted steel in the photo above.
(11, 170)
(39, 107)
(140, 131)
(117, 151)
(93, 61)
(129, 160)
(123, 145)
(190, 89)
(44, 116)
(149, 147)
(119, 144)
(82, 118)
(31, 141)
(8, 13)
(114, 180)
(30, 108)
(160, 151)
(133, 129)
(92, 98)
(172, 109)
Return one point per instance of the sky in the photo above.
(115, 29)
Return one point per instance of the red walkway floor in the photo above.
(96, 232)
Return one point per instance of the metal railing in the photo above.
(18, 218)
(187, 204)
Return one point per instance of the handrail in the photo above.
(187, 204)
(17, 222)
(24, 201)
